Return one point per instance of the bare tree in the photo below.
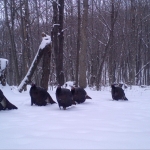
(58, 39)
(46, 66)
(44, 48)
(11, 25)
(78, 44)
(115, 40)
(82, 53)
(112, 56)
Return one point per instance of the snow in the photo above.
(46, 40)
(100, 123)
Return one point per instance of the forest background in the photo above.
(94, 42)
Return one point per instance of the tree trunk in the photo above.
(41, 51)
(61, 41)
(112, 57)
(10, 26)
(132, 49)
(46, 67)
(54, 36)
(78, 45)
(58, 39)
(26, 53)
(93, 52)
(82, 54)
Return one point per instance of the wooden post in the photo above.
(3, 71)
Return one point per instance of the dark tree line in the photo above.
(94, 42)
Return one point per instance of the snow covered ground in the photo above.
(99, 123)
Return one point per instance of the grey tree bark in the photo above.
(78, 44)
(27, 78)
(10, 25)
(82, 53)
(58, 39)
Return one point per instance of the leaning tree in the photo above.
(45, 52)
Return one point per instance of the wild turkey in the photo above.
(64, 97)
(39, 96)
(79, 94)
(4, 103)
(117, 93)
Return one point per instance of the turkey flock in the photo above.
(64, 96)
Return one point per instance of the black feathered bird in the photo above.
(4, 103)
(64, 97)
(117, 93)
(39, 96)
(79, 94)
